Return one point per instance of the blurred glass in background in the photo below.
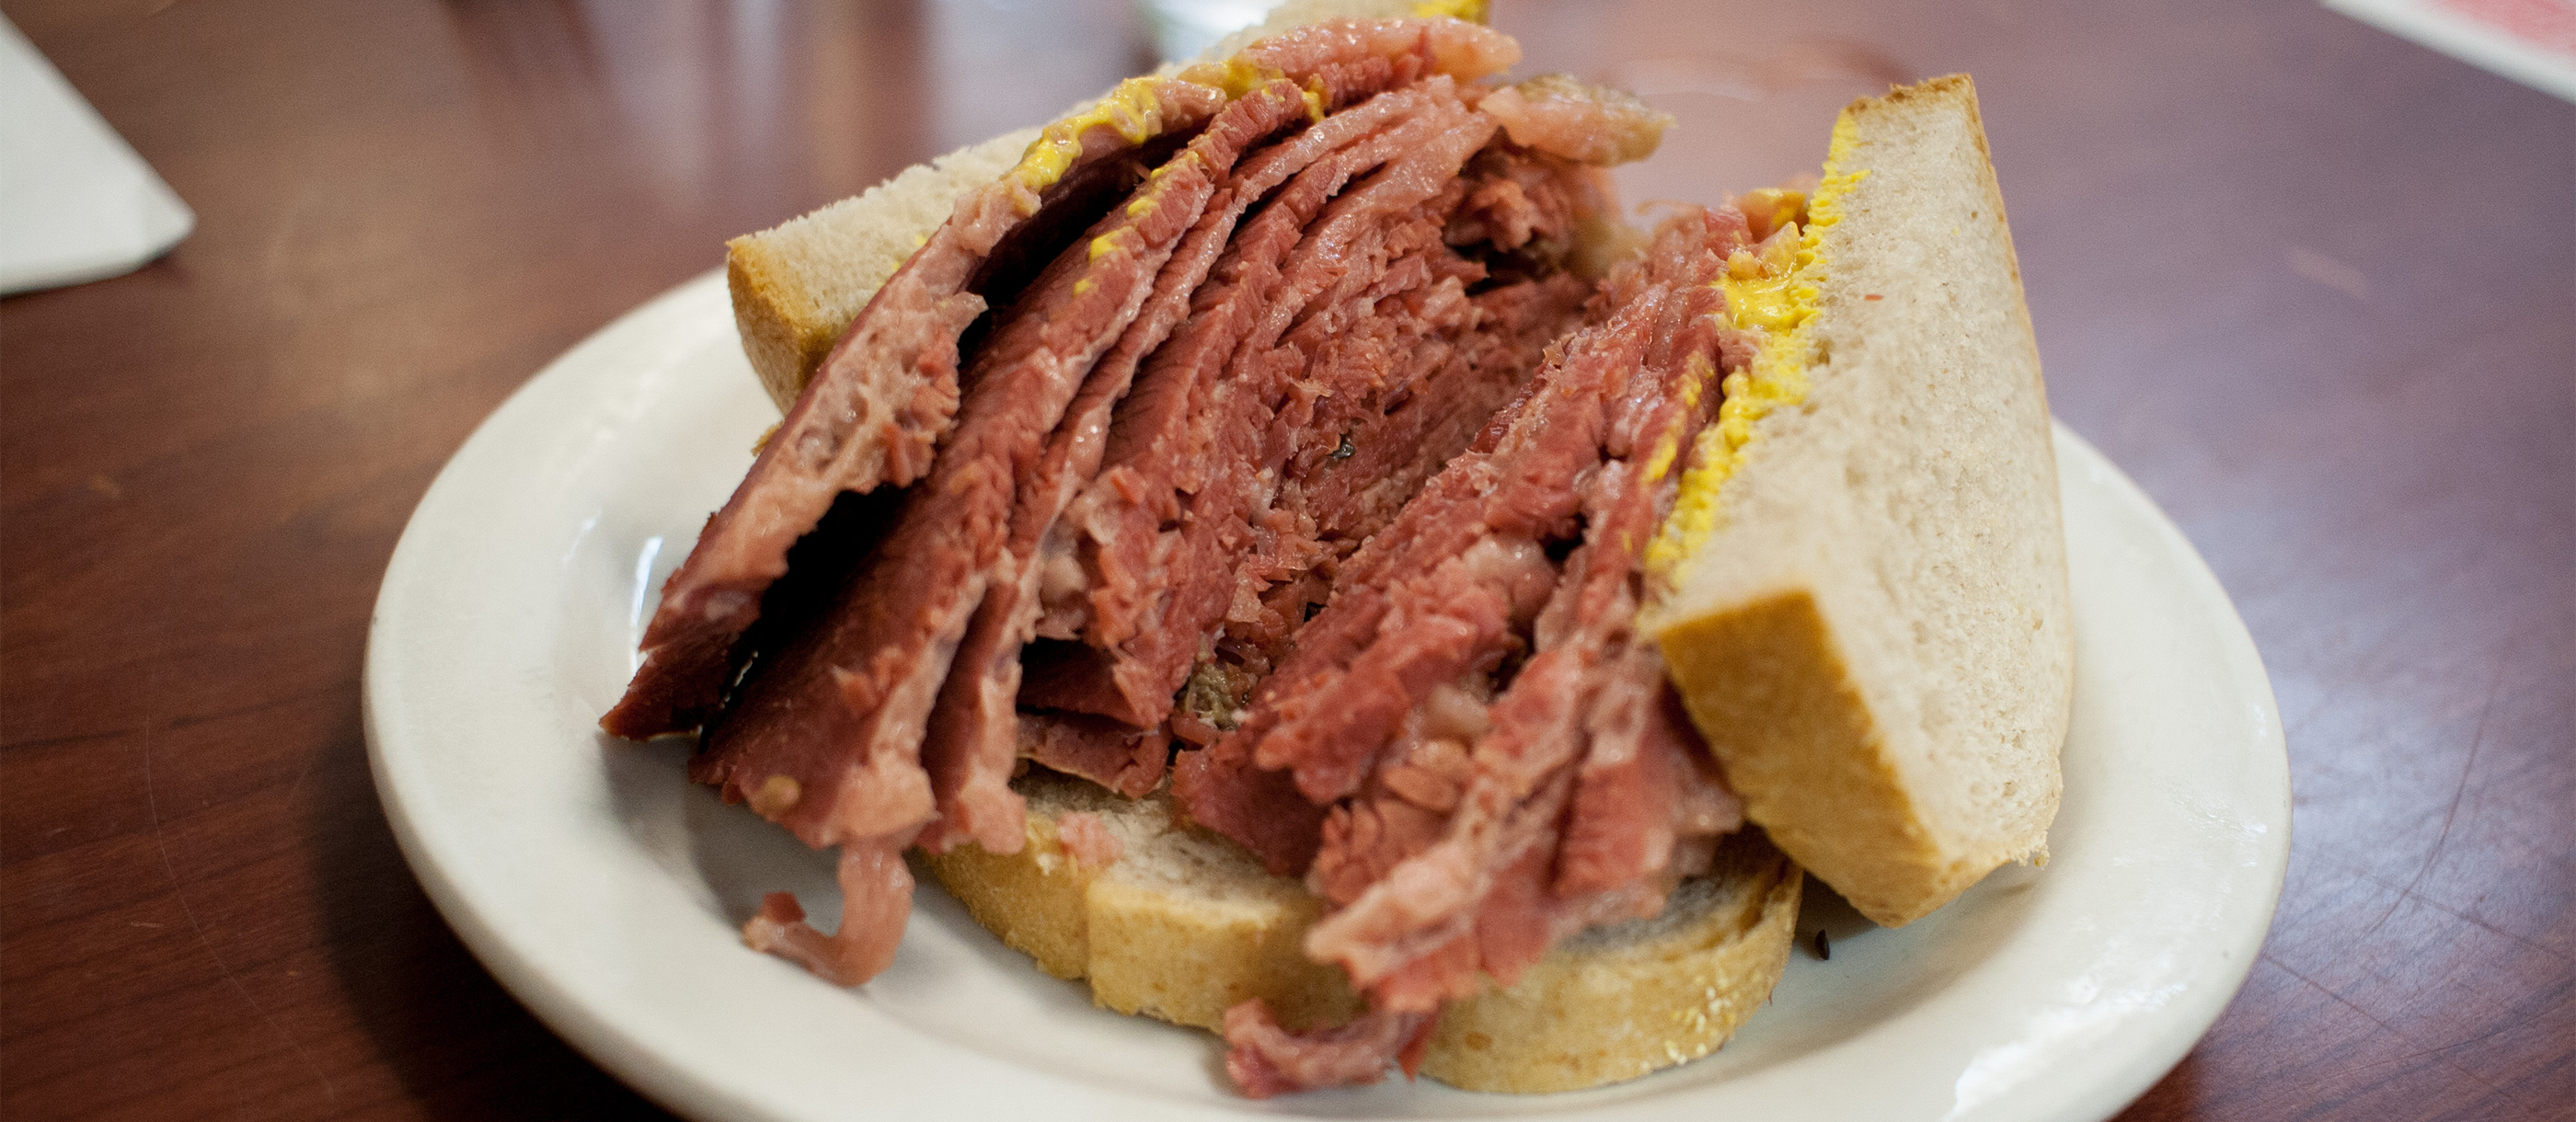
(1751, 108)
(1183, 28)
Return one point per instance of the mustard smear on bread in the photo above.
(1776, 295)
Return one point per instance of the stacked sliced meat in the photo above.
(1175, 368)
(1470, 753)
(1336, 319)
(828, 738)
(877, 406)
(1258, 428)
(887, 394)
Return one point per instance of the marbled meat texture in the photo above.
(1487, 753)
(872, 414)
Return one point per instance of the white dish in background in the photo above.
(605, 890)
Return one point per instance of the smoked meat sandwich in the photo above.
(1279, 544)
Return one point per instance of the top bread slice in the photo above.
(797, 285)
(1874, 637)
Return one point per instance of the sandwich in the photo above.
(1279, 544)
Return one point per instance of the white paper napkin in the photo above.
(2530, 41)
(76, 203)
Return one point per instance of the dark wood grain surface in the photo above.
(2312, 286)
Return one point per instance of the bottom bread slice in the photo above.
(1183, 925)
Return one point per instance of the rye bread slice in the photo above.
(1875, 638)
(1185, 924)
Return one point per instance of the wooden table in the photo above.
(2314, 287)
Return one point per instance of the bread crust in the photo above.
(1805, 752)
(1185, 925)
(798, 285)
(1876, 642)
(1613, 1006)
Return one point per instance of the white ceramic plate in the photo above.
(605, 891)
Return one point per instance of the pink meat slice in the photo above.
(827, 737)
(859, 683)
(1576, 120)
(974, 723)
(872, 414)
(1529, 858)
(1263, 809)
(1525, 200)
(1161, 443)
(1215, 554)
(1352, 490)
(1581, 800)
(1353, 360)
(1457, 619)
(1153, 419)
(1152, 613)
(1586, 703)
(1353, 57)
(1406, 805)
(1504, 501)
(1408, 388)
(1644, 788)
(971, 738)
(863, 685)
(1422, 365)
(1121, 758)
(888, 392)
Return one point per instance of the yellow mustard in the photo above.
(1695, 378)
(1236, 77)
(1137, 114)
(1132, 109)
(1470, 10)
(1775, 295)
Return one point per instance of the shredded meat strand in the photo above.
(1266, 1060)
(1085, 837)
(876, 899)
